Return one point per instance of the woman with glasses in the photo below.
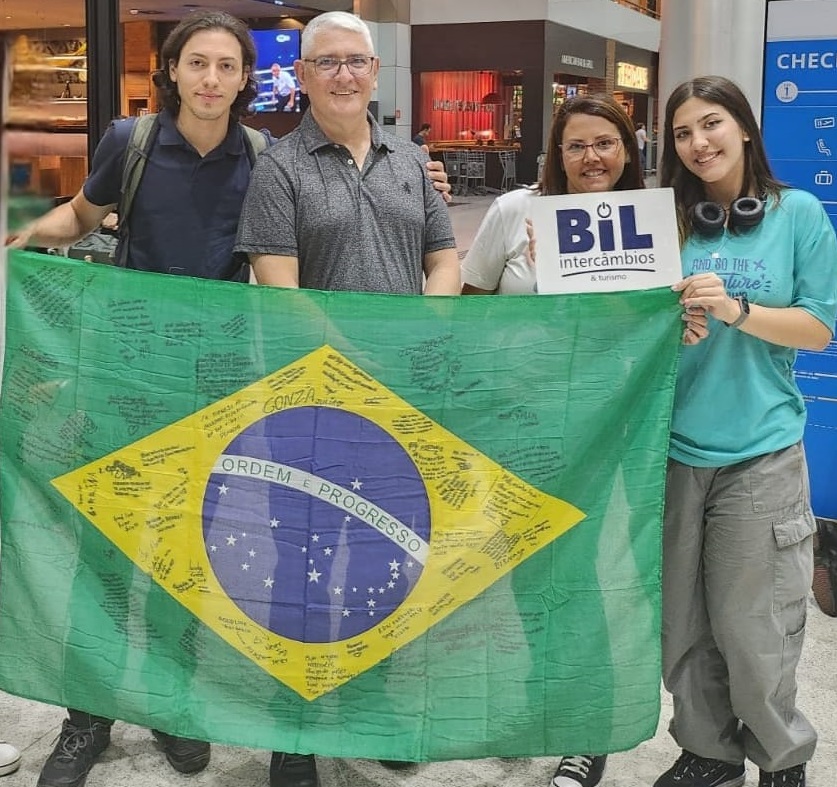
(592, 148)
(761, 259)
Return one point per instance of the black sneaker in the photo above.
(789, 777)
(185, 755)
(580, 770)
(74, 754)
(293, 770)
(693, 771)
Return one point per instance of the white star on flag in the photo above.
(314, 576)
(223, 489)
(357, 484)
(268, 582)
(231, 540)
(274, 522)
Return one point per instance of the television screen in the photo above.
(276, 51)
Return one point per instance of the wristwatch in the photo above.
(745, 312)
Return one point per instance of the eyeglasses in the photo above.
(358, 65)
(601, 147)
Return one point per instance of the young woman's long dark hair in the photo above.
(176, 40)
(688, 187)
(554, 178)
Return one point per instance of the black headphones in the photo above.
(709, 218)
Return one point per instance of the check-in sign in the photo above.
(606, 242)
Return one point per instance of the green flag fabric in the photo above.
(364, 525)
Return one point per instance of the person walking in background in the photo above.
(423, 134)
(9, 758)
(761, 259)
(339, 204)
(591, 148)
(284, 89)
(642, 144)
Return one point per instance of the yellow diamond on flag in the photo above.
(315, 520)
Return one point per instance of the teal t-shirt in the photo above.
(736, 396)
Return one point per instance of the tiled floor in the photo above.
(133, 761)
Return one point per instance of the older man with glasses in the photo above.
(339, 204)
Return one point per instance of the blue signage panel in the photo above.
(800, 134)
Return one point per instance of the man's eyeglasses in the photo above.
(601, 147)
(358, 65)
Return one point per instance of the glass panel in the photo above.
(45, 115)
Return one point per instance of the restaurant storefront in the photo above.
(497, 83)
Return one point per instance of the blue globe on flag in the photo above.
(316, 523)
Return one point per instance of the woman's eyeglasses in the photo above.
(601, 147)
(358, 65)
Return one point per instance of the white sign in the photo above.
(606, 241)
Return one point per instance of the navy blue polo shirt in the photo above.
(185, 213)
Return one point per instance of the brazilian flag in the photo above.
(394, 527)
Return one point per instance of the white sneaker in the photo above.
(580, 770)
(9, 759)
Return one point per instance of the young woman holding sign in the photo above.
(761, 259)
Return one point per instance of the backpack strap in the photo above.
(255, 142)
(143, 135)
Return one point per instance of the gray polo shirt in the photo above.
(365, 229)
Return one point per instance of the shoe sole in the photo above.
(735, 781)
(9, 767)
(192, 765)
(822, 591)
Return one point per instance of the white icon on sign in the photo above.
(824, 122)
(823, 148)
(823, 178)
(786, 91)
